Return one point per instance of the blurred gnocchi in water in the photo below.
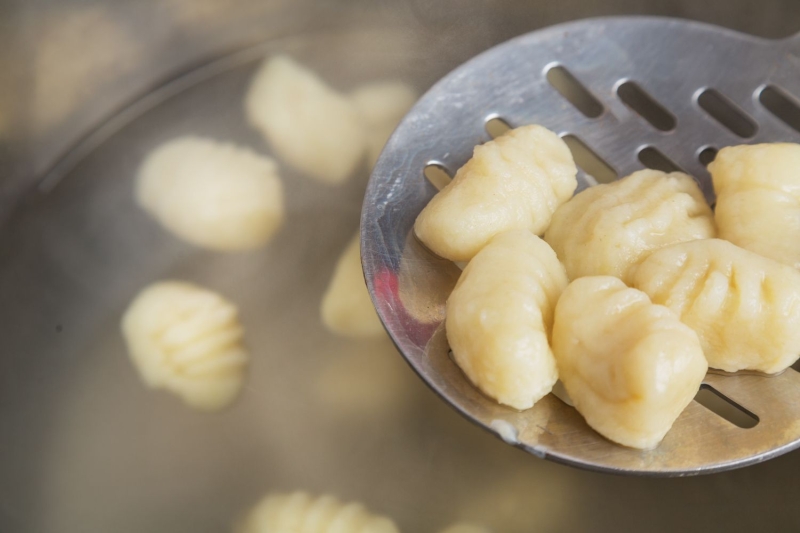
(187, 340)
(308, 124)
(347, 308)
(215, 195)
(607, 228)
(382, 105)
(516, 181)
(629, 366)
(65, 78)
(745, 308)
(300, 512)
(758, 199)
(500, 315)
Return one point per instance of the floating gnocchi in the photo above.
(347, 308)
(606, 229)
(215, 195)
(630, 366)
(300, 512)
(745, 308)
(309, 125)
(515, 181)
(187, 340)
(381, 106)
(499, 318)
(758, 199)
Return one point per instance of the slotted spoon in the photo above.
(665, 92)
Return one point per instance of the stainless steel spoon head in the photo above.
(627, 93)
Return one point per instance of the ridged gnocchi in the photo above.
(605, 229)
(308, 124)
(347, 308)
(300, 512)
(515, 181)
(745, 308)
(215, 195)
(187, 340)
(630, 366)
(758, 199)
(499, 318)
(382, 105)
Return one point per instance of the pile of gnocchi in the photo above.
(627, 292)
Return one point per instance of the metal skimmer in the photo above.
(635, 92)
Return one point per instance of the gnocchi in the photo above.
(313, 128)
(211, 194)
(347, 308)
(187, 340)
(630, 366)
(499, 318)
(745, 308)
(758, 199)
(606, 229)
(515, 181)
(381, 106)
(300, 512)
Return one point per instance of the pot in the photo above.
(90, 89)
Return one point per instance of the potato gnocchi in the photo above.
(758, 199)
(513, 182)
(499, 318)
(310, 126)
(300, 512)
(347, 308)
(215, 195)
(187, 340)
(745, 308)
(607, 228)
(629, 366)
